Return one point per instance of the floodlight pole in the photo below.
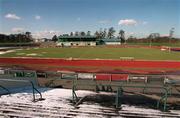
(150, 44)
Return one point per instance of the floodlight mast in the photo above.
(171, 32)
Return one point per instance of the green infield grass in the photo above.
(96, 53)
(177, 44)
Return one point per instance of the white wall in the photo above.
(76, 43)
(113, 43)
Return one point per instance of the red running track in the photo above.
(96, 63)
(175, 49)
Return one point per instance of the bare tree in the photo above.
(105, 33)
(82, 33)
(154, 35)
(76, 33)
(111, 32)
(122, 36)
(88, 33)
(54, 38)
(28, 36)
(71, 34)
(101, 33)
(97, 34)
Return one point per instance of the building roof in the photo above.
(72, 37)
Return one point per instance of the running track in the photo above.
(96, 63)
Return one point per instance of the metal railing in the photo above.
(25, 81)
(6, 89)
(163, 99)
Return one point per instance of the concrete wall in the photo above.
(76, 44)
(113, 43)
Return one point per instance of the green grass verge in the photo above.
(96, 52)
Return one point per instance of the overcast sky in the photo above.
(45, 18)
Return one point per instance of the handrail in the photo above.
(166, 90)
(158, 87)
(31, 83)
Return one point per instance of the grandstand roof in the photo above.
(72, 37)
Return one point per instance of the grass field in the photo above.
(157, 44)
(96, 52)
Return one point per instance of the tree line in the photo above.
(16, 38)
(152, 40)
(110, 34)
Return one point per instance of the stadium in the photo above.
(54, 63)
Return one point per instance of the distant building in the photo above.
(66, 40)
(113, 41)
(40, 40)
